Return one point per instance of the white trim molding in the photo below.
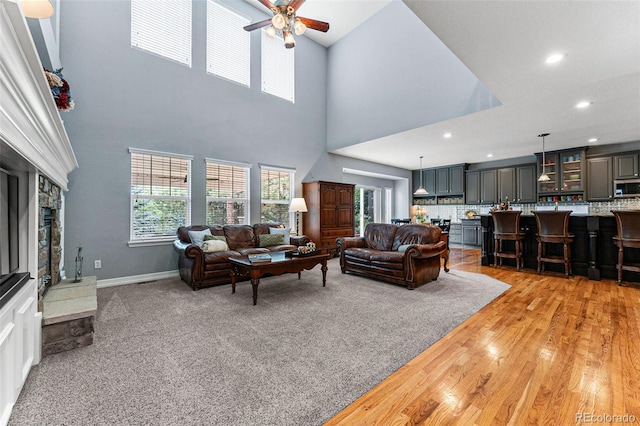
(30, 122)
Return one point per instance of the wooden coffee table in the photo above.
(280, 264)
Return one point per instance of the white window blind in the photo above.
(278, 68)
(160, 194)
(228, 44)
(227, 193)
(162, 27)
(276, 191)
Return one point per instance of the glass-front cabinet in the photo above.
(566, 171)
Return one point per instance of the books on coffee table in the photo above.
(260, 258)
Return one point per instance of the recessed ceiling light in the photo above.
(583, 104)
(593, 140)
(447, 135)
(556, 57)
(489, 155)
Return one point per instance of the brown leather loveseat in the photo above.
(408, 255)
(199, 268)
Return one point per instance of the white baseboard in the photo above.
(135, 279)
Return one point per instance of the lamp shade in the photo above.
(298, 205)
(38, 9)
(278, 21)
(421, 190)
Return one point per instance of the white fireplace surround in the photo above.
(30, 123)
(33, 142)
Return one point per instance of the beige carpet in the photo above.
(166, 355)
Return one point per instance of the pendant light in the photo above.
(38, 9)
(421, 190)
(543, 176)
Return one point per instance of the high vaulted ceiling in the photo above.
(505, 44)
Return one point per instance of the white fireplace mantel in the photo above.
(30, 123)
(33, 142)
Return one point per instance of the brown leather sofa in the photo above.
(201, 269)
(408, 255)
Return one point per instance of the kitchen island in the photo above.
(593, 253)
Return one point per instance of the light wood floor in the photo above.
(547, 351)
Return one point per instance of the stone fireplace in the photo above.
(49, 236)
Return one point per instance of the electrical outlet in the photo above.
(97, 264)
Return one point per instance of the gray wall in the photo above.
(129, 98)
(376, 88)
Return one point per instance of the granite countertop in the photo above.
(572, 214)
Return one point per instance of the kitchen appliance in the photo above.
(626, 188)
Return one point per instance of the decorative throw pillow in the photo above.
(268, 240)
(197, 237)
(214, 245)
(215, 237)
(282, 231)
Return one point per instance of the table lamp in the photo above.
(298, 205)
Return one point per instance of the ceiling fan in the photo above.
(285, 19)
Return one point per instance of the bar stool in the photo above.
(628, 223)
(553, 228)
(507, 228)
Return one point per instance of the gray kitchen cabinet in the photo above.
(600, 179)
(626, 166)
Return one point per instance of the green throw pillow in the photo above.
(215, 237)
(268, 240)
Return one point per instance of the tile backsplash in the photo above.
(457, 212)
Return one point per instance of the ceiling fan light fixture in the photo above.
(270, 32)
(299, 27)
(289, 41)
(278, 21)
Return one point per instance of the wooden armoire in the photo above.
(330, 213)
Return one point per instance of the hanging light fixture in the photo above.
(289, 41)
(543, 176)
(284, 21)
(270, 32)
(421, 190)
(299, 27)
(38, 9)
(278, 21)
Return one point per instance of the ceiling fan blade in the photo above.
(258, 25)
(295, 4)
(315, 25)
(268, 5)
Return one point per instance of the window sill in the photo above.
(148, 243)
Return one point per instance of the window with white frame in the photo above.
(162, 27)
(366, 207)
(160, 195)
(228, 44)
(278, 68)
(276, 191)
(227, 192)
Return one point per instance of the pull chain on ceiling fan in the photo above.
(285, 19)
